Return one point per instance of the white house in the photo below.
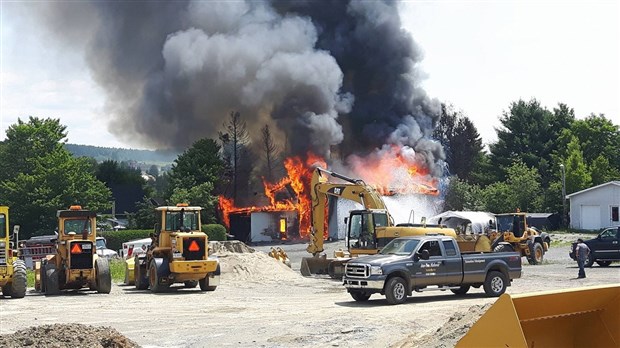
(596, 207)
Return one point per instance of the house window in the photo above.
(614, 214)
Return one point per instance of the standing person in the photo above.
(581, 252)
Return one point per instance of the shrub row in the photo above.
(115, 239)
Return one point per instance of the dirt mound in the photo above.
(450, 332)
(231, 246)
(66, 336)
(257, 267)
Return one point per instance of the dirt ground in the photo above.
(262, 303)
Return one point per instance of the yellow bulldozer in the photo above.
(75, 265)
(513, 233)
(12, 269)
(179, 253)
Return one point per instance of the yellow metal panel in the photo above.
(204, 266)
(581, 317)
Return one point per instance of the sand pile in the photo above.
(242, 263)
(66, 336)
(450, 332)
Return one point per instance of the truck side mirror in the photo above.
(424, 254)
(15, 233)
(346, 219)
(156, 229)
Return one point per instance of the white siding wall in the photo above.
(604, 197)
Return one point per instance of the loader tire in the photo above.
(495, 284)
(52, 281)
(141, 280)
(190, 284)
(603, 263)
(18, 284)
(396, 291)
(204, 284)
(154, 279)
(6, 290)
(461, 291)
(102, 276)
(360, 296)
(537, 253)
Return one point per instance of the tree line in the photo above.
(523, 168)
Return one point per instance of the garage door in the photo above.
(590, 217)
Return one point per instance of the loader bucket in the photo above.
(314, 265)
(581, 317)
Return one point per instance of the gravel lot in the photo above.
(261, 303)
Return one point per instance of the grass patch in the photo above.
(560, 243)
(117, 271)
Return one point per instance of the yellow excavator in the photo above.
(368, 230)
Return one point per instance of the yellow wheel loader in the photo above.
(368, 230)
(512, 233)
(12, 269)
(75, 265)
(179, 253)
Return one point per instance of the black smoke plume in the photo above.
(327, 74)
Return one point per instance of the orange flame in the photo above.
(391, 170)
(299, 174)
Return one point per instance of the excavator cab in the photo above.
(361, 228)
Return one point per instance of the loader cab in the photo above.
(76, 223)
(179, 218)
(511, 223)
(361, 228)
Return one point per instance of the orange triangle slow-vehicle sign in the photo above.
(76, 249)
(193, 246)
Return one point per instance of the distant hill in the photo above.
(158, 157)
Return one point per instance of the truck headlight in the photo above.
(2, 244)
(376, 270)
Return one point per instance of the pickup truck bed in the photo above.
(428, 263)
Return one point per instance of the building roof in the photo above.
(616, 183)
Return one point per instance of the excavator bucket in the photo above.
(314, 265)
(581, 317)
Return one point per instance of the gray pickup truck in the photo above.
(424, 263)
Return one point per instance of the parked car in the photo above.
(102, 249)
(604, 249)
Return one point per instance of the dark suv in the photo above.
(604, 249)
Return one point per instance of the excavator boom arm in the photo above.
(321, 189)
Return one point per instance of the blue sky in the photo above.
(479, 56)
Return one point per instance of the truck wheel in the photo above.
(603, 263)
(102, 276)
(396, 291)
(52, 280)
(589, 261)
(461, 291)
(537, 253)
(18, 284)
(190, 284)
(503, 248)
(360, 296)
(495, 284)
(6, 290)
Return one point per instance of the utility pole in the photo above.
(563, 196)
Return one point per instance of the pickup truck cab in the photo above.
(604, 249)
(425, 263)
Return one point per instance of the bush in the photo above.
(215, 231)
(115, 239)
